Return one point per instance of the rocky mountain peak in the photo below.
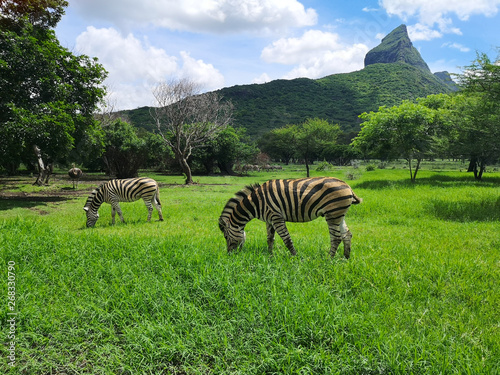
(396, 47)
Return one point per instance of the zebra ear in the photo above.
(85, 209)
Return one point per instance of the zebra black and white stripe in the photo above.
(125, 190)
(299, 200)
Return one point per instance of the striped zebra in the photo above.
(299, 200)
(126, 190)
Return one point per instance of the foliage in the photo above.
(478, 129)
(281, 143)
(401, 131)
(124, 151)
(43, 14)
(339, 154)
(48, 94)
(312, 137)
(228, 147)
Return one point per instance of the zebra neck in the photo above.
(242, 214)
(97, 201)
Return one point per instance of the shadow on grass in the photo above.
(483, 210)
(8, 203)
(437, 180)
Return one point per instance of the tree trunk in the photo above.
(473, 167)
(44, 172)
(411, 171)
(186, 169)
(307, 167)
(226, 169)
(416, 170)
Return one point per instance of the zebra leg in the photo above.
(150, 208)
(113, 213)
(280, 227)
(158, 207)
(346, 237)
(116, 207)
(334, 227)
(270, 237)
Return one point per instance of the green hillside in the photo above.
(339, 98)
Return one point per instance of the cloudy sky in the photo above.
(221, 43)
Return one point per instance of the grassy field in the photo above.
(420, 294)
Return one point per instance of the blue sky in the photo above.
(221, 43)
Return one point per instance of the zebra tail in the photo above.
(157, 195)
(356, 199)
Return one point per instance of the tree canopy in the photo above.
(400, 131)
(48, 95)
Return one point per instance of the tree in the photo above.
(312, 137)
(48, 95)
(42, 14)
(280, 143)
(478, 131)
(124, 151)
(406, 131)
(187, 119)
(224, 150)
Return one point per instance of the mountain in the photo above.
(396, 47)
(394, 71)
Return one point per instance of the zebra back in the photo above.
(296, 200)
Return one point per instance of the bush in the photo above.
(324, 166)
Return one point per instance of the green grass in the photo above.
(419, 295)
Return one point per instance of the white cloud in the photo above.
(437, 12)
(422, 32)
(135, 67)
(457, 46)
(316, 54)
(218, 16)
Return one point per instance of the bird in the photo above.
(75, 174)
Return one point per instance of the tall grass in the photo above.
(419, 295)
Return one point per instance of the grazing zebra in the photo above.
(126, 190)
(75, 174)
(300, 200)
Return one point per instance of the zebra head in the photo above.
(92, 214)
(235, 236)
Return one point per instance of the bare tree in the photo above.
(187, 119)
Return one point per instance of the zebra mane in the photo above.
(238, 197)
(246, 191)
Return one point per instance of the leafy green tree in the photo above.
(48, 95)
(230, 146)
(406, 131)
(312, 137)
(478, 127)
(340, 154)
(43, 14)
(124, 151)
(280, 143)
